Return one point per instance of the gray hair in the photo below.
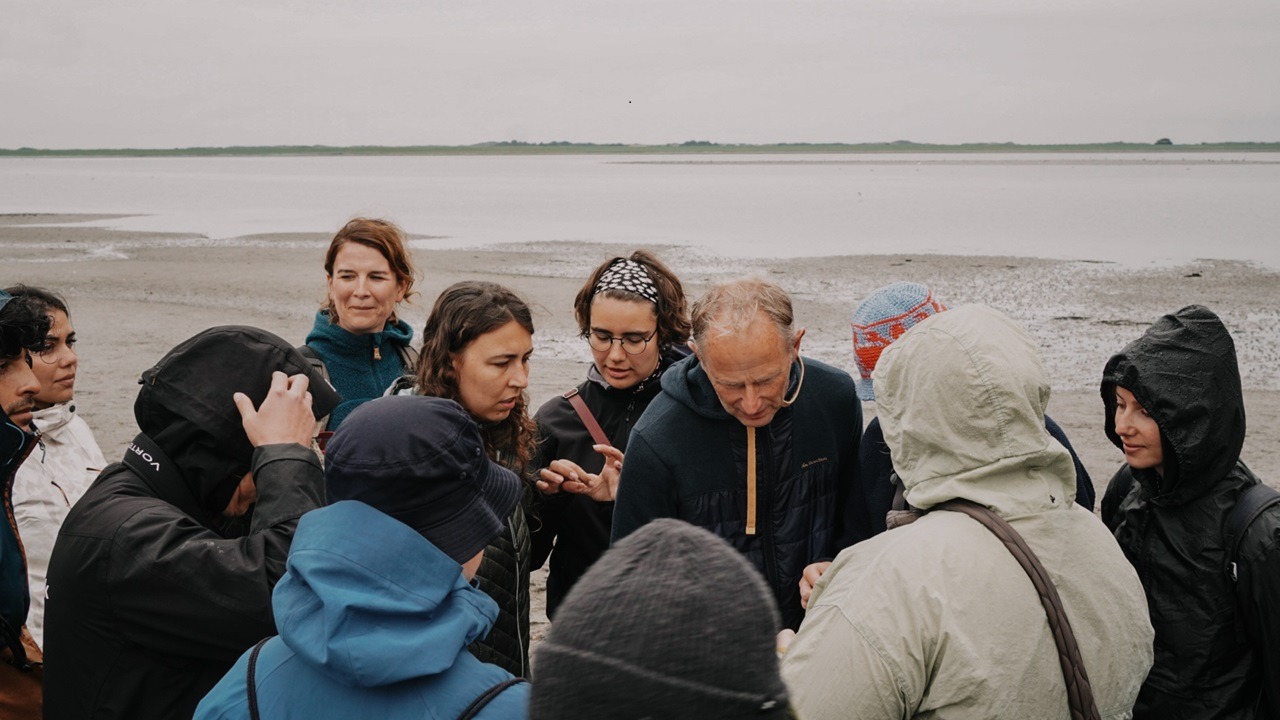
(731, 306)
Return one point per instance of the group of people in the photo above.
(347, 528)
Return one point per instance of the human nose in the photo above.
(752, 400)
(1124, 424)
(520, 377)
(28, 385)
(362, 287)
(615, 350)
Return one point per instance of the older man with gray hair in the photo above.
(751, 441)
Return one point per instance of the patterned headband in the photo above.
(630, 276)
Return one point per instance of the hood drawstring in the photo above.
(751, 480)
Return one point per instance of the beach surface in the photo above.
(133, 296)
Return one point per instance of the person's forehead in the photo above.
(748, 355)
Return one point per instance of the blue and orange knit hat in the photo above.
(882, 318)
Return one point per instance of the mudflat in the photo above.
(133, 296)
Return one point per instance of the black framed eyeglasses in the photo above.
(632, 343)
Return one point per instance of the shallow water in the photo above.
(1133, 209)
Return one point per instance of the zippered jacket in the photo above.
(937, 619)
(63, 465)
(687, 459)
(361, 367)
(574, 529)
(1210, 661)
(374, 623)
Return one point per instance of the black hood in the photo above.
(186, 409)
(1183, 372)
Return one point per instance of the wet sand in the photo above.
(135, 295)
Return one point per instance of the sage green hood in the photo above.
(961, 398)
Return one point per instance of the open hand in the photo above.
(284, 416)
(567, 476)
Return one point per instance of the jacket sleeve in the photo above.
(1260, 593)
(646, 490)
(850, 500)
(834, 671)
(1085, 494)
(547, 508)
(181, 589)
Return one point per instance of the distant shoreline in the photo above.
(688, 148)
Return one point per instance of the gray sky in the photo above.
(164, 73)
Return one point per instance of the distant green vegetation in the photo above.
(699, 147)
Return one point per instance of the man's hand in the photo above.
(567, 476)
(284, 416)
(810, 578)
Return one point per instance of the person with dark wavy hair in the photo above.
(22, 331)
(633, 315)
(475, 351)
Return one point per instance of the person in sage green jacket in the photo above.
(936, 618)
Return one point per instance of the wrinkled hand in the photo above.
(284, 416)
(567, 476)
(808, 579)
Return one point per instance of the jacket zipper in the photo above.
(764, 508)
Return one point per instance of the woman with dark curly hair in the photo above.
(633, 315)
(475, 351)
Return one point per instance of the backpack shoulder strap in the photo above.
(251, 684)
(1252, 502)
(486, 697)
(589, 420)
(1079, 692)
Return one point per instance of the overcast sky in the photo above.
(165, 73)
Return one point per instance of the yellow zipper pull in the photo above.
(377, 354)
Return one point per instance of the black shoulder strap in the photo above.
(316, 362)
(1252, 502)
(485, 698)
(250, 684)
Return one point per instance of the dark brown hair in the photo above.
(384, 236)
(672, 311)
(462, 313)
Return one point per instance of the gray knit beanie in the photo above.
(670, 623)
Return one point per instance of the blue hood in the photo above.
(371, 602)
(323, 331)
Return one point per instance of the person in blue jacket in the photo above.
(356, 334)
(377, 605)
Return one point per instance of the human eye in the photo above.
(602, 336)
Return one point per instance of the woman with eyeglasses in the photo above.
(633, 315)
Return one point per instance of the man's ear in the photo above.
(795, 342)
(694, 348)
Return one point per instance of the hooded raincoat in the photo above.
(374, 622)
(687, 459)
(1209, 662)
(937, 618)
(152, 594)
(64, 463)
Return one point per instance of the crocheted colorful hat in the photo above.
(882, 318)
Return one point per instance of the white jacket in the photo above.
(936, 619)
(53, 478)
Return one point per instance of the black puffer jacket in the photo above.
(152, 595)
(504, 576)
(1208, 664)
(687, 459)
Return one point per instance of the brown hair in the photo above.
(672, 310)
(731, 306)
(463, 312)
(382, 235)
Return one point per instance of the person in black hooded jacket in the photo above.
(162, 574)
(633, 315)
(1174, 405)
